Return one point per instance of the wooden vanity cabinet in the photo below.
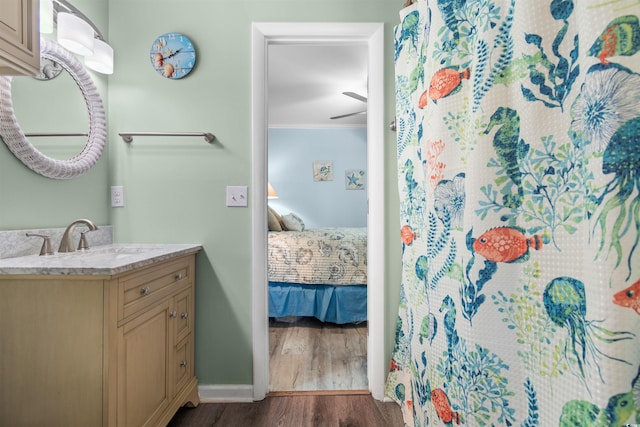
(19, 37)
(98, 351)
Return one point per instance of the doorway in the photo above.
(371, 34)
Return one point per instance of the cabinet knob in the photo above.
(183, 363)
(173, 314)
(179, 276)
(145, 291)
(184, 315)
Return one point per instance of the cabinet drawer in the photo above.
(182, 363)
(148, 286)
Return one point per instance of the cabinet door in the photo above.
(143, 367)
(184, 314)
(19, 37)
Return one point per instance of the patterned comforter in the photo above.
(329, 256)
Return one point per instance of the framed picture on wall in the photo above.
(322, 171)
(354, 179)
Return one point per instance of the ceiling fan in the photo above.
(354, 96)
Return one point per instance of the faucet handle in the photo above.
(46, 244)
(82, 244)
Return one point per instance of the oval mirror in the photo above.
(14, 137)
(51, 111)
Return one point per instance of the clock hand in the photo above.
(173, 54)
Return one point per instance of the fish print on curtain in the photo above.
(519, 177)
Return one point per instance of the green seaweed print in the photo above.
(553, 76)
(491, 62)
(558, 190)
(463, 129)
(464, 21)
(460, 43)
(523, 313)
(432, 267)
(412, 208)
(473, 378)
(473, 281)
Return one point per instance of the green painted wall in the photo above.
(175, 187)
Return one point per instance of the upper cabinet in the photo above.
(19, 37)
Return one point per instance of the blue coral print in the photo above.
(519, 180)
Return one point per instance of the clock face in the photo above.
(173, 55)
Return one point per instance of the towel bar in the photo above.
(128, 136)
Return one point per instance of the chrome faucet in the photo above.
(66, 244)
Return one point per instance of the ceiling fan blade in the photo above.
(355, 96)
(347, 115)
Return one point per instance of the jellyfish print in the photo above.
(606, 117)
(622, 159)
(566, 304)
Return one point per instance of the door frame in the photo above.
(372, 34)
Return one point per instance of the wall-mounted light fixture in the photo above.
(77, 33)
(102, 58)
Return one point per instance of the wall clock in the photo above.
(173, 55)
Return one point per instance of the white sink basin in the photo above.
(107, 252)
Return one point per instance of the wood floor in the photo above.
(307, 354)
(294, 411)
(318, 378)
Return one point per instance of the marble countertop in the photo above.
(107, 259)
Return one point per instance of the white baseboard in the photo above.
(225, 393)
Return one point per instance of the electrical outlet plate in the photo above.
(237, 195)
(117, 196)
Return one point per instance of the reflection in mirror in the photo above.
(50, 106)
(78, 162)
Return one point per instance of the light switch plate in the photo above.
(237, 195)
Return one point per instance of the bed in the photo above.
(319, 272)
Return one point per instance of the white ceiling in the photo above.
(305, 85)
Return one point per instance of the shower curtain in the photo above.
(518, 131)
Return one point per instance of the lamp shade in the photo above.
(102, 58)
(271, 193)
(75, 34)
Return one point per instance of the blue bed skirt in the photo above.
(328, 303)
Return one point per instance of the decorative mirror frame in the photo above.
(20, 146)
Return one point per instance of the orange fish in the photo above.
(407, 235)
(443, 407)
(629, 297)
(424, 99)
(506, 244)
(446, 82)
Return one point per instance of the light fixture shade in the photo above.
(271, 193)
(46, 16)
(102, 58)
(75, 34)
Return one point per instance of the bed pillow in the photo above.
(273, 221)
(292, 222)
